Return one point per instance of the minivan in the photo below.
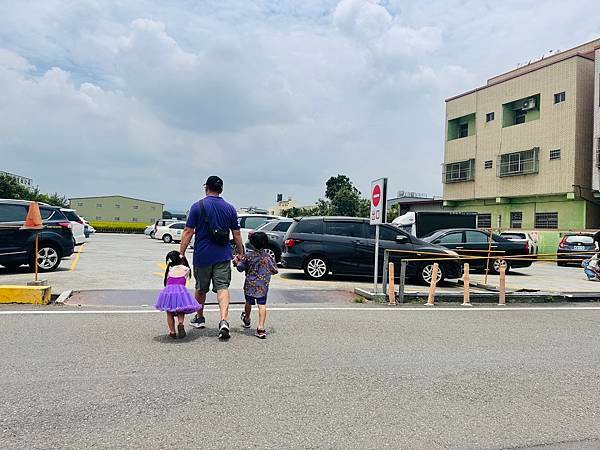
(346, 245)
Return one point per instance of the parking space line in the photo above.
(77, 255)
(323, 308)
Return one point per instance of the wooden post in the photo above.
(391, 287)
(466, 287)
(432, 285)
(502, 287)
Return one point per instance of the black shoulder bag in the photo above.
(220, 237)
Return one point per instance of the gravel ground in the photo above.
(369, 378)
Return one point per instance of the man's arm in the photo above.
(237, 238)
(186, 237)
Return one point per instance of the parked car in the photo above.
(78, 227)
(523, 237)
(149, 230)
(573, 248)
(346, 245)
(275, 231)
(252, 222)
(88, 228)
(170, 233)
(17, 246)
(469, 242)
(161, 223)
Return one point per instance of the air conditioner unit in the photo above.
(528, 104)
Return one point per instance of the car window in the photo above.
(13, 213)
(580, 239)
(254, 222)
(309, 227)
(476, 237)
(267, 226)
(385, 233)
(514, 235)
(72, 216)
(342, 228)
(282, 226)
(451, 238)
(178, 226)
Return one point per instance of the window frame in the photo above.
(487, 166)
(490, 117)
(517, 164)
(455, 172)
(545, 224)
(560, 97)
(553, 154)
(357, 226)
(484, 215)
(516, 219)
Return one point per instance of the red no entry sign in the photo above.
(376, 195)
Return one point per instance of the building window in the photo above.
(560, 97)
(134, 219)
(98, 205)
(488, 164)
(521, 111)
(136, 207)
(516, 219)
(459, 171)
(555, 154)
(461, 127)
(518, 163)
(117, 206)
(548, 220)
(484, 221)
(489, 117)
(98, 218)
(117, 219)
(79, 204)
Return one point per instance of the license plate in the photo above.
(579, 248)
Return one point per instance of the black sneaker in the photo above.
(224, 330)
(198, 322)
(245, 320)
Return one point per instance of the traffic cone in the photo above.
(33, 221)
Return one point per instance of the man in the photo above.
(211, 219)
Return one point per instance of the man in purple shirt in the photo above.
(210, 220)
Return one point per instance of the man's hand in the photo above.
(186, 237)
(239, 246)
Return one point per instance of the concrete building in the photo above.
(21, 179)
(520, 150)
(117, 208)
(415, 201)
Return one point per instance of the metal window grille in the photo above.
(488, 164)
(555, 154)
(518, 163)
(489, 117)
(560, 97)
(98, 205)
(548, 220)
(484, 221)
(459, 171)
(516, 219)
(118, 206)
(117, 219)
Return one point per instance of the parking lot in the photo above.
(136, 262)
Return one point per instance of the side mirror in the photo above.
(401, 239)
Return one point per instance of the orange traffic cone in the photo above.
(33, 221)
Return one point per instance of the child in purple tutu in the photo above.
(175, 299)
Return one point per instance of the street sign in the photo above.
(378, 201)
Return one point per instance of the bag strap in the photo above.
(203, 211)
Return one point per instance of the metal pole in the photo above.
(487, 263)
(36, 255)
(386, 260)
(402, 280)
(376, 259)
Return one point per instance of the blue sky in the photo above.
(147, 98)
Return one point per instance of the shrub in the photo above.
(119, 227)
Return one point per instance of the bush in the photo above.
(119, 227)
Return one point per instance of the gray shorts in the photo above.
(219, 275)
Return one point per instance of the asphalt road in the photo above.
(363, 377)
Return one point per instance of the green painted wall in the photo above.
(508, 111)
(117, 209)
(572, 215)
(454, 124)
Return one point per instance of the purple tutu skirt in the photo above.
(175, 298)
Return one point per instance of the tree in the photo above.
(11, 188)
(336, 184)
(346, 202)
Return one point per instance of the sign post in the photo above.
(377, 217)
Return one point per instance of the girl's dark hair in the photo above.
(259, 240)
(174, 259)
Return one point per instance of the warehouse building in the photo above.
(117, 208)
(522, 151)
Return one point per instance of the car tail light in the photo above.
(80, 221)
(526, 246)
(65, 225)
(562, 242)
(289, 243)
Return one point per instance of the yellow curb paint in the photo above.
(34, 295)
(77, 255)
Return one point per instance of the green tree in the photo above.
(346, 202)
(336, 184)
(11, 188)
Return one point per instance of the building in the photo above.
(520, 151)
(117, 208)
(281, 206)
(21, 179)
(414, 201)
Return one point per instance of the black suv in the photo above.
(17, 246)
(346, 245)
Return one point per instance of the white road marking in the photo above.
(320, 308)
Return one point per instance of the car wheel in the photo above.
(316, 268)
(426, 271)
(272, 253)
(48, 258)
(167, 239)
(497, 264)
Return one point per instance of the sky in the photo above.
(147, 98)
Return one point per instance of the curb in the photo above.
(63, 297)
(32, 295)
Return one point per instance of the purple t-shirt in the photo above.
(221, 215)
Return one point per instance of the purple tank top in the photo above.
(176, 281)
